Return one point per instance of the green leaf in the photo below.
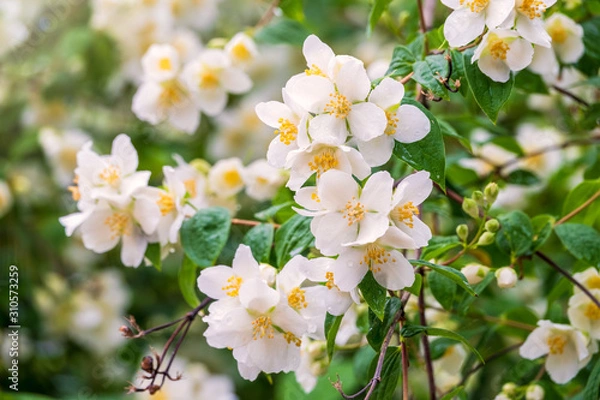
(292, 9)
(188, 275)
(448, 130)
(439, 245)
(530, 82)
(402, 62)
(592, 389)
(204, 235)
(542, 229)
(490, 95)
(260, 240)
(454, 275)
(428, 153)
(579, 195)
(292, 238)
(379, 7)
(463, 306)
(508, 143)
(332, 325)
(522, 177)
(374, 294)
(390, 373)
(153, 255)
(269, 213)
(415, 289)
(516, 233)
(581, 241)
(457, 392)
(428, 73)
(378, 329)
(443, 289)
(413, 330)
(283, 31)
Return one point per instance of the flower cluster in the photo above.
(116, 204)
(515, 32)
(569, 348)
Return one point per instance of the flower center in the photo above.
(241, 52)
(287, 131)
(532, 8)
(190, 187)
(405, 214)
(475, 5)
(329, 284)
(392, 123)
(314, 70)
(262, 327)
(209, 79)
(111, 175)
(291, 338)
(354, 211)
(232, 289)
(119, 224)
(339, 105)
(556, 343)
(592, 312)
(375, 257)
(232, 178)
(166, 203)
(593, 282)
(296, 299)
(558, 33)
(171, 94)
(498, 49)
(323, 162)
(165, 64)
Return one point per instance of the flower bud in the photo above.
(478, 197)
(462, 231)
(492, 225)
(509, 388)
(474, 272)
(147, 364)
(268, 273)
(317, 350)
(491, 193)
(126, 331)
(506, 277)
(470, 207)
(534, 392)
(486, 238)
(201, 165)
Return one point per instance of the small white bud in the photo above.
(486, 239)
(506, 277)
(534, 392)
(268, 273)
(509, 388)
(474, 272)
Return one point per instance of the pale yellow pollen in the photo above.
(558, 33)
(314, 70)
(475, 5)
(176, 7)
(232, 289)
(296, 299)
(166, 203)
(392, 123)
(291, 338)
(119, 224)
(190, 187)
(165, 64)
(75, 193)
(315, 197)
(68, 157)
(498, 48)
(209, 78)
(353, 212)
(376, 256)
(532, 8)
(171, 94)
(556, 343)
(287, 131)
(593, 282)
(405, 214)
(330, 284)
(241, 52)
(262, 327)
(323, 162)
(592, 312)
(232, 178)
(338, 105)
(111, 175)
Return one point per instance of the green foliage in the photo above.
(413, 330)
(402, 62)
(449, 273)
(442, 288)
(522, 177)
(260, 240)
(378, 328)
(332, 325)
(374, 294)
(440, 245)
(582, 241)
(204, 235)
(516, 233)
(390, 373)
(579, 195)
(292, 238)
(283, 31)
(188, 274)
(153, 255)
(428, 73)
(377, 10)
(592, 389)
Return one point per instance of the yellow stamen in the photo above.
(314, 70)
(532, 8)
(287, 131)
(498, 48)
(329, 284)
(111, 175)
(165, 64)
(232, 289)
(476, 5)
(262, 327)
(593, 282)
(291, 338)
(556, 343)
(172, 94)
(338, 106)
(232, 178)
(315, 197)
(376, 256)
(557, 32)
(405, 214)
(190, 187)
(392, 123)
(353, 212)
(209, 79)
(592, 312)
(166, 203)
(296, 299)
(324, 161)
(119, 224)
(241, 52)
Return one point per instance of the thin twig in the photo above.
(425, 341)
(578, 209)
(405, 366)
(268, 15)
(571, 95)
(247, 222)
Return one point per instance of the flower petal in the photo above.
(366, 121)
(413, 124)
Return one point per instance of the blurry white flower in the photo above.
(160, 63)
(502, 51)
(568, 350)
(506, 277)
(262, 180)
(225, 177)
(534, 392)
(529, 22)
(60, 148)
(590, 279)
(6, 198)
(584, 314)
(241, 49)
(447, 367)
(186, 43)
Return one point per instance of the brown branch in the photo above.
(247, 222)
(571, 95)
(578, 209)
(268, 15)
(405, 366)
(407, 78)
(425, 341)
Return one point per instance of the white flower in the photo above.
(502, 51)
(506, 277)
(194, 182)
(319, 158)
(405, 123)
(447, 367)
(529, 22)
(241, 49)
(262, 180)
(160, 63)
(6, 198)
(225, 177)
(412, 233)
(590, 279)
(291, 124)
(488, 155)
(470, 17)
(186, 43)
(474, 272)
(568, 349)
(61, 150)
(210, 77)
(318, 56)
(389, 267)
(339, 104)
(534, 392)
(584, 314)
(533, 140)
(344, 214)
